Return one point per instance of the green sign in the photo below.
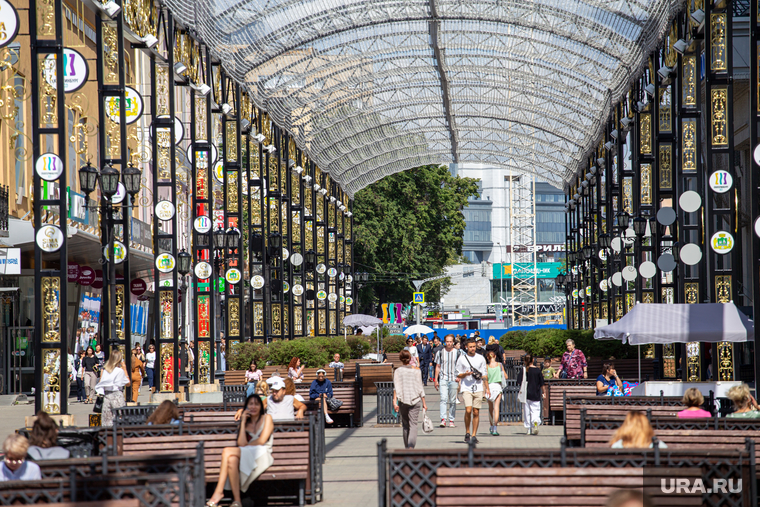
(526, 270)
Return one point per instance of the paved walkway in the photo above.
(350, 471)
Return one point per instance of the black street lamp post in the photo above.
(184, 260)
(220, 242)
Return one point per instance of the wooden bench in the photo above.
(703, 433)
(369, 373)
(472, 476)
(576, 407)
(556, 486)
(350, 393)
(555, 394)
(234, 377)
(237, 377)
(295, 451)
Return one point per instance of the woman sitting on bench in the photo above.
(243, 465)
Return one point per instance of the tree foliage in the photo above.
(410, 225)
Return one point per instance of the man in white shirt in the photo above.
(446, 379)
(336, 363)
(472, 388)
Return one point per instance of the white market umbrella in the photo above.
(418, 329)
(360, 320)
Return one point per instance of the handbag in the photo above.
(98, 407)
(475, 373)
(522, 395)
(427, 424)
(334, 404)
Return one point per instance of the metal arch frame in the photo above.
(438, 56)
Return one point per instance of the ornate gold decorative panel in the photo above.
(322, 322)
(51, 390)
(204, 316)
(689, 86)
(201, 134)
(296, 227)
(285, 321)
(645, 131)
(691, 292)
(667, 295)
(232, 191)
(167, 367)
(719, 119)
(647, 297)
(276, 320)
(167, 315)
(231, 146)
(233, 317)
(630, 301)
(618, 308)
(723, 288)
(669, 360)
(111, 57)
(628, 195)
(258, 319)
(45, 18)
(297, 321)
(204, 368)
(51, 309)
(665, 121)
(120, 312)
(666, 167)
(725, 361)
(645, 178)
(718, 53)
(162, 90)
(201, 174)
(689, 145)
(693, 362)
(649, 351)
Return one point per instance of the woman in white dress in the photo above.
(243, 465)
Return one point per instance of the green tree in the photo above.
(409, 226)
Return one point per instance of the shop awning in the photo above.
(665, 323)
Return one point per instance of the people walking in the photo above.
(150, 364)
(91, 368)
(425, 353)
(497, 378)
(138, 373)
(573, 362)
(408, 395)
(446, 381)
(79, 365)
(412, 349)
(472, 372)
(111, 386)
(531, 383)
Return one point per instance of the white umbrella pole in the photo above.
(639, 347)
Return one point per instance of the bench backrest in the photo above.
(556, 486)
(369, 373)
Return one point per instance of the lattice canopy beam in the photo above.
(366, 91)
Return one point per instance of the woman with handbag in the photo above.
(111, 386)
(531, 383)
(497, 381)
(408, 394)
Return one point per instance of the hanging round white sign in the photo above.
(202, 224)
(133, 108)
(120, 252)
(722, 242)
(721, 181)
(321, 268)
(9, 21)
(75, 70)
(121, 193)
(165, 262)
(233, 276)
(296, 259)
(49, 166)
(49, 238)
(257, 282)
(165, 210)
(298, 289)
(332, 297)
(203, 270)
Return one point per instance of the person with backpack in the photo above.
(446, 381)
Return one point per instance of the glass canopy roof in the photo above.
(369, 88)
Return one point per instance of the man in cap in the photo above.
(321, 389)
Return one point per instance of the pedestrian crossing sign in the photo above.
(419, 297)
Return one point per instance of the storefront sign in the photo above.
(86, 276)
(75, 70)
(9, 23)
(73, 272)
(97, 282)
(133, 108)
(10, 258)
(49, 166)
(49, 238)
(526, 270)
(138, 287)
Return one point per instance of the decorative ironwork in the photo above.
(630, 301)
(645, 130)
(628, 195)
(51, 312)
(667, 295)
(45, 18)
(689, 145)
(669, 360)
(718, 52)
(689, 87)
(649, 351)
(231, 142)
(647, 297)
(232, 191)
(162, 90)
(276, 320)
(120, 312)
(233, 317)
(618, 308)
(645, 178)
(666, 167)
(51, 371)
(723, 288)
(719, 101)
(167, 367)
(691, 292)
(167, 315)
(111, 56)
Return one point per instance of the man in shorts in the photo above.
(473, 389)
